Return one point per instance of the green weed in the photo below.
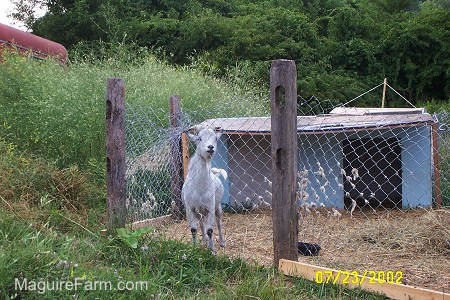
(33, 189)
(130, 237)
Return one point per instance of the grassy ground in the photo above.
(52, 191)
(163, 270)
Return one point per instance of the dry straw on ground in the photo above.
(414, 242)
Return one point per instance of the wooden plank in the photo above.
(185, 153)
(176, 166)
(115, 154)
(154, 222)
(436, 165)
(392, 290)
(283, 98)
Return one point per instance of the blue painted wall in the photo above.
(417, 167)
(325, 150)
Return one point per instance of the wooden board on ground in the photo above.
(392, 290)
(154, 222)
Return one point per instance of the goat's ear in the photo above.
(197, 128)
(191, 136)
(218, 132)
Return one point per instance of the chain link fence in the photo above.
(373, 184)
(373, 193)
(443, 143)
(147, 159)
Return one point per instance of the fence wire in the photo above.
(147, 157)
(373, 185)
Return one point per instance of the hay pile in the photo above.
(415, 242)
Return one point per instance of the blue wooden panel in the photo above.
(417, 167)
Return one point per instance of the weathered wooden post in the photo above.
(185, 154)
(283, 98)
(176, 166)
(436, 165)
(115, 154)
(383, 98)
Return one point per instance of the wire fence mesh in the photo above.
(147, 156)
(373, 185)
(370, 184)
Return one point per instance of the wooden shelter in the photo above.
(390, 149)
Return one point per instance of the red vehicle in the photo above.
(30, 44)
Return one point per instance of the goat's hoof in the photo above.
(212, 248)
(222, 244)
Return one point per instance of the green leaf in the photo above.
(142, 231)
(131, 238)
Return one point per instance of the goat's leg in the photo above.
(209, 229)
(204, 235)
(194, 235)
(192, 220)
(222, 242)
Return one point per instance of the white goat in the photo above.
(202, 191)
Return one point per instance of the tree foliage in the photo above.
(352, 45)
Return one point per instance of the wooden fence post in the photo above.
(283, 98)
(185, 153)
(115, 154)
(436, 165)
(176, 166)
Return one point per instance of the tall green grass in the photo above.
(35, 190)
(53, 111)
(58, 112)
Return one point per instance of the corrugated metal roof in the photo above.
(330, 122)
(376, 111)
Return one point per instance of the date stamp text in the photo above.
(355, 277)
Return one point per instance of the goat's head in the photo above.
(206, 142)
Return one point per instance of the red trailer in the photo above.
(30, 44)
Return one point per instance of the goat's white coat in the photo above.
(202, 191)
